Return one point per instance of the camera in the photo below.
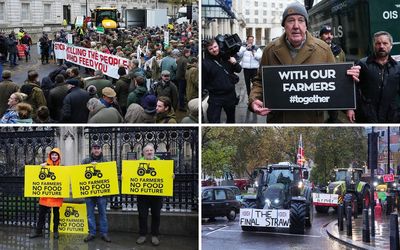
(229, 45)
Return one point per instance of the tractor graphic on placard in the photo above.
(91, 170)
(71, 211)
(46, 173)
(144, 168)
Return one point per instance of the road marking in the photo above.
(240, 231)
(215, 231)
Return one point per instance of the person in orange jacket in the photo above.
(46, 203)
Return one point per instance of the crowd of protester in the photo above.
(161, 79)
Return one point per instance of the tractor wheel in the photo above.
(231, 214)
(309, 215)
(140, 172)
(67, 214)
(42, 176)
(153, 173)
(88, 175)
(53, 177)
(297, 217)
(322, 209)
(76, 214)
(99, 175)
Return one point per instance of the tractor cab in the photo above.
(108, 18)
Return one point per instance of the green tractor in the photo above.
(46, 173)
(283, 194)
(347, 184)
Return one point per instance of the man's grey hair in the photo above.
(149, 145)
(383, 33)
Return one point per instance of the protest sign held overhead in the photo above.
(144, 177)
(46, 181)
(97, 179)
(90, 58)
(308, 87)
(73, 219)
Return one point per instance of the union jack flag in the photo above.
(300, 152)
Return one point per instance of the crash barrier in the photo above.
(365, 229)
(340, 216)
(348, 221)
(394, 232)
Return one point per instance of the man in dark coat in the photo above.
(56, 98)
(181, 65)
(99, 82)
(165, 87)
(74, 104)
(44, 48)
(12, 49)
(379, 87)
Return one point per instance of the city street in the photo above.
(223, 234)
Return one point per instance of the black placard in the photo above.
(308, 87)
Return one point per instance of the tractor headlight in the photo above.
(267, 203)
(394, 184)
(375, 183)
(276, 201)
(256, 183)
(300, 184)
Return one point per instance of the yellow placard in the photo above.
(47, 181)
(98, 179)
(148, 177)
(73, 219)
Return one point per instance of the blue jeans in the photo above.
(101, 208)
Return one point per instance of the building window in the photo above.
(256, 4)
(264, 4)
(273, 5)
(247, 20)
(25, 12)
(247, 12)
(46, 12)
(256, 20)
(264, 12)
(281, 5)
(2, 13)
(264, 20)
(255, 12)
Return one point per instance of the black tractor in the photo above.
(92, 171)
(144, 168)
(285, 186)
(46, 173)
(71, 211)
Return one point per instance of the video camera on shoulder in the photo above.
(229, 45)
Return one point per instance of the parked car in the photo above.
(219, 202)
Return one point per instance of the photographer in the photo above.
(250, 55)
(219, 79)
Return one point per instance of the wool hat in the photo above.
(6, 74)
(325, 29)
(149, 104)
(73, 82)
(109, 92)
(165, 72)
(294, 8)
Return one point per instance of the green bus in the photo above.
(354, 23)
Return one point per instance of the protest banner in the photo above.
(308, 87)
(144, 177)
(90, 58)
(73, 219)
(97, 179)
(46, 181)
(323, 199)
(264, 217)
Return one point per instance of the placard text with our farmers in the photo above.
(144, 177)
(308, 87)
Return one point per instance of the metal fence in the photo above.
(20, 146)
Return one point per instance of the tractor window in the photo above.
(207, 195)
(220, 194)
(230, 195)
(279, 176)
(340, 176)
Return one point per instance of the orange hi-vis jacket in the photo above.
(46, 201)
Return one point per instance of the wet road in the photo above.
(223, 234)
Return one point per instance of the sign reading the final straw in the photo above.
(46, 181)
(73, 219)
(148, 177)
(97, 179)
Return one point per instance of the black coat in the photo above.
(377, 91)
(74, 106)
